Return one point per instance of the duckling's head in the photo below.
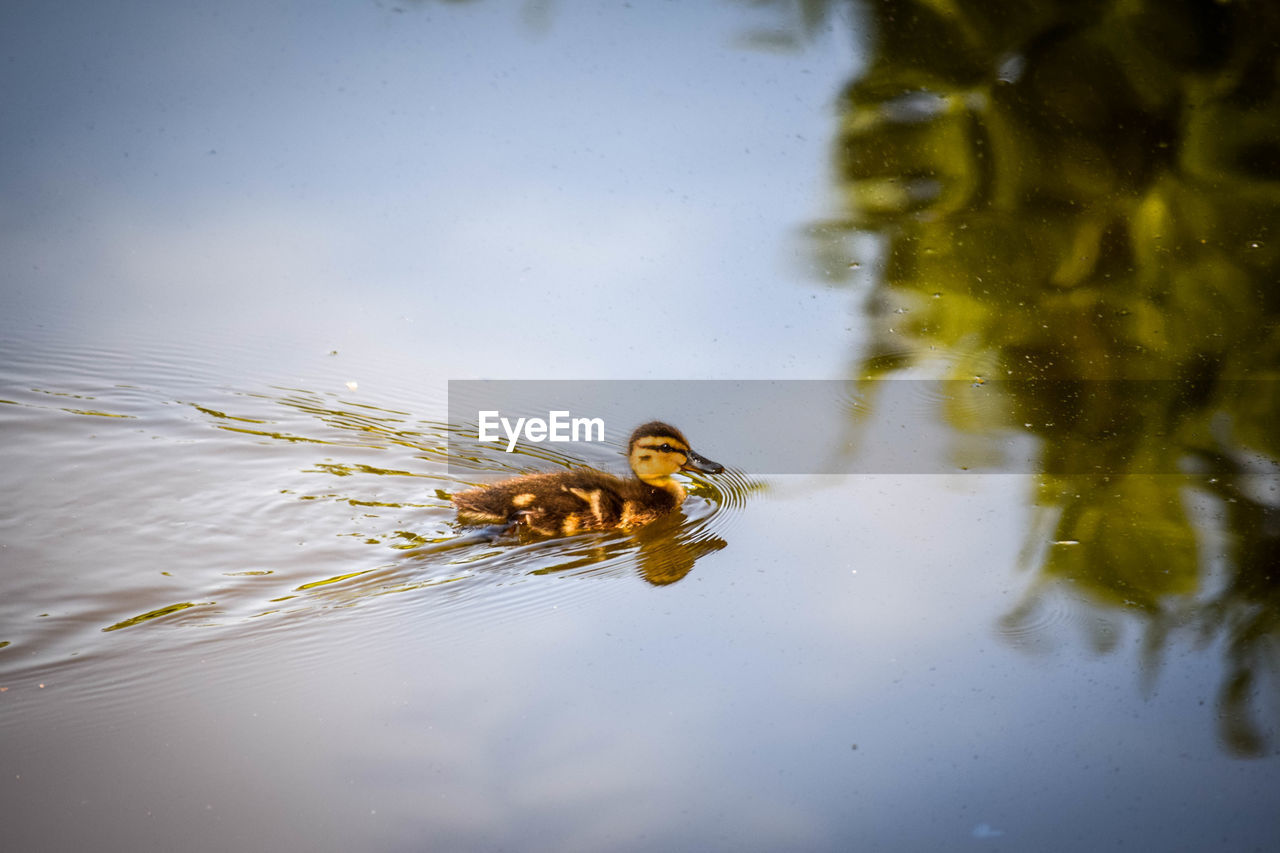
(658, 450)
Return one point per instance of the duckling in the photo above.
(569, 502)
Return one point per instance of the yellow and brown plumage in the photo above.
(569, 502)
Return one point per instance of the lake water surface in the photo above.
(249, 250)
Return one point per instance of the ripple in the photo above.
(965, 403)
(1048, 610)
(266, 512)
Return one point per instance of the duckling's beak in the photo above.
(695, 462)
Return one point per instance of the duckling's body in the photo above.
(566, 503)
(569, 502)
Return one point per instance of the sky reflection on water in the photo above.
(290, 159)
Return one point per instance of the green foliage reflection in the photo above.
(1087, 192)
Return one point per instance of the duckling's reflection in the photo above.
(666, 550)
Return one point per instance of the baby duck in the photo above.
(569, 502)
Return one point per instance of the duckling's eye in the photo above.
(665, 448)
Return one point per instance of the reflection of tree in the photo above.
(792, 24)
(1077, 193)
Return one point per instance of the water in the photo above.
(246, 249)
